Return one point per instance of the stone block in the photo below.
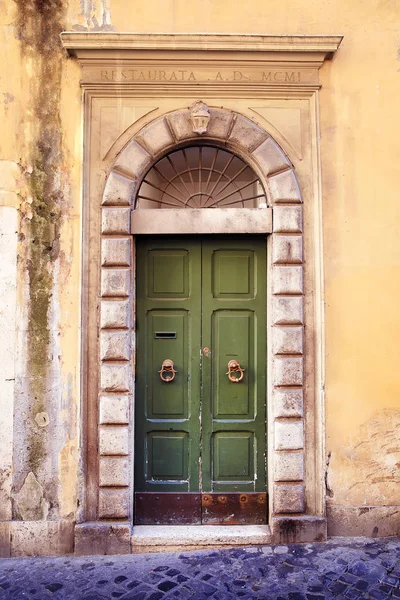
(114, 472)
(288, 466)
(115, 220)
(288, 371)
(287, 310)
(115, 345)
(156, 136)
(133, 159)
(114, 504)
(283, 187)
(115, 282)
(287, 280)
(246, 134)
(114, 409)
(116, 252)
(288, 498)
(114, 314)
(287, 219)
(118, 190)
(270, 157)
(102, 538)
(287, 340)
(287, 249)
(116, 377)
(114, 441)
(288, 403)
(289, 435)
(5, 542)
(298, 530)
(41, 538)
(364, 521)
(180, 124)
(219, 124)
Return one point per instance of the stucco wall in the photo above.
(40, 158)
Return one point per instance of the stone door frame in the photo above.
(295, 312)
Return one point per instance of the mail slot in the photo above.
(165, 335)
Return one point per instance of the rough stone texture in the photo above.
(102, 538)
(288, 403)
(116, 252)
(270, 157)
(287, 310)
(113, 441)
(287, 280)
(180, 124)
(116, 377)
(246, 134)
(289, 434)
(156, 137)
(132, 160)
(343, 569)
(5, 542)
(287, 249)
(114, 409)
(35, 538)
(114, 504)
(115, 345)
(302, 529)
(283, 187)
(115, 282)
(114, 472)
(363, 520)
(288, 498)
(219, 124)
(288, 371)
(30, 503)
(287, 219)
(287, 340)
(115, 220)
(288, 466)
(114, 314)
(118, 190)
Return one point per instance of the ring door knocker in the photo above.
(235, 371)
(167, 372)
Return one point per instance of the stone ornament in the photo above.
(199, 117)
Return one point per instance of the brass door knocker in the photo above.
(235, 371)
(167, 372)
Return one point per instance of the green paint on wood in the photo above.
(201, 432)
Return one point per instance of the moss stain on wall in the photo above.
(38, 25)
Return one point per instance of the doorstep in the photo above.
(170, 538)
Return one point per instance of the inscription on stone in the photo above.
(179, 75)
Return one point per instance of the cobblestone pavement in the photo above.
(340, 568)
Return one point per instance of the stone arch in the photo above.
(286, 329)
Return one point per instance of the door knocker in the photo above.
(167, 372)
(235, 371)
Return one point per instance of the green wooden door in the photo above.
(200, 434)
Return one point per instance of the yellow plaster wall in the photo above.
(360, 149)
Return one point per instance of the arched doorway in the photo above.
(200, 411)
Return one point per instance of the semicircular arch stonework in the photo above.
(237, 133)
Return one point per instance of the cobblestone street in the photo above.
(349, 568)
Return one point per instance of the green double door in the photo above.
(200, 380)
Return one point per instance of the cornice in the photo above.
(79, 43)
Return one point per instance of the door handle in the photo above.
(167, 371)
(235, 369)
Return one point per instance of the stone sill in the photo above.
(167, 538)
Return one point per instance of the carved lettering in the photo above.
(126, 75)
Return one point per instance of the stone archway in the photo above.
(116, 327)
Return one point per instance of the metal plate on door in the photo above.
(234, 509)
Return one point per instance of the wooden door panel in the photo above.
(233, 273)
(233, 338)
(167, 435)
(167, 400)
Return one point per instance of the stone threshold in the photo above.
(169, 538)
